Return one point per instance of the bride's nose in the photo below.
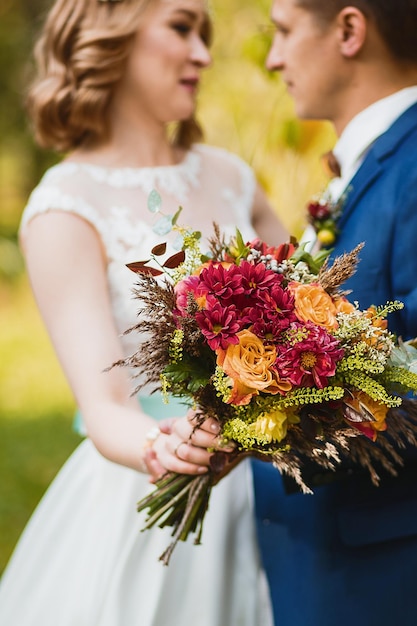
(200, 54)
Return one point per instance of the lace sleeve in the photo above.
(54, 193)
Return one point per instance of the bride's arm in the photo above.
(67, 271)
(266, 221)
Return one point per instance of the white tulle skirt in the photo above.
(83, 560)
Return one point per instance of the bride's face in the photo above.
(168, 54)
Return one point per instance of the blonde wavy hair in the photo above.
(81, 56)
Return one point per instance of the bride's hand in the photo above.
(183, 446)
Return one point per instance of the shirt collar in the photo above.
(368, 125)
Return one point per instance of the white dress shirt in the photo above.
(356, 140)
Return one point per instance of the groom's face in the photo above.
(305, 50)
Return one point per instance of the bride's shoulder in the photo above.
(58, 173)
(215, 155)
(63, 187)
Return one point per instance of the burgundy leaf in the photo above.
(137, 263)
(175, 260)
(159, 249)
(139, 267)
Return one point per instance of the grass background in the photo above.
(242, 107)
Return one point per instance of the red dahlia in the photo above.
(221, 282)
(219, 325)
(255, 278)
(309, 356)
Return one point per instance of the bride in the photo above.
(113, 76)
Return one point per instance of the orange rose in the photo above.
(343, 305)
(250, 365)
(314, 304)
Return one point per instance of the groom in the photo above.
(348, 555)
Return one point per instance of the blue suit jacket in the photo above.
(348, 554)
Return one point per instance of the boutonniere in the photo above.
(323, 214)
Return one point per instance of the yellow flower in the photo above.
(314, 304)
(250, 365)
(273, 426)
(326, 237)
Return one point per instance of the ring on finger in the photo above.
(178, 447)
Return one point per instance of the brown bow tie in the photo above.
(332, 164)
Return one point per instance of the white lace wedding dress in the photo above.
(83, 560)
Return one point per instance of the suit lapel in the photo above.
(372, 167)
(369, 171)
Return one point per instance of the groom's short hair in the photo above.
(396, 21)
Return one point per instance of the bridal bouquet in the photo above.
(262, 339)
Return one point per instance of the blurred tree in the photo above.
(21, 162)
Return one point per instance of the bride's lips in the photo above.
(190, 83)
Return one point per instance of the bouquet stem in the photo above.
(181, 501)
(193, 516)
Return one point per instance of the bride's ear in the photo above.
(352, 30)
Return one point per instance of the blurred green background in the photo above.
(242, 107)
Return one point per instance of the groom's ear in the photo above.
(352, 30)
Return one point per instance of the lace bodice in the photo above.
(210, 184)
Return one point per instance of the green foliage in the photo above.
(314, 263)
(239, 431)
(191, 246)
(221, 383)
(175, 348)
(360, 361)
(304, 396)
(390, 307)
(21, 162)
(239, 249)
(375, 390)
(406, 381)
(193, 372)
